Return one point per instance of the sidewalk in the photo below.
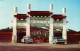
(42, 44)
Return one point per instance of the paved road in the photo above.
(38, 47)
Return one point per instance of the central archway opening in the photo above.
(20, 34)
(39, 29)
(39, 34)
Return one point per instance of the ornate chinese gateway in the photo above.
(39, 25)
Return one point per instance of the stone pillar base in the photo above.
(50, 39)
(50, 42)
(66, 42)
(14, 39)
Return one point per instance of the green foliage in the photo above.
(6, 30)
(71, 31)
(42, 36)
(36, 28)
(34, 36)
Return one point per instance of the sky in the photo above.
(72, 10)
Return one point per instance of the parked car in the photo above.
(26, 40)
(60, 40)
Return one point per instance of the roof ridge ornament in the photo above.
(28, 7)
(15, 11)
(64, 11)
(51, 7)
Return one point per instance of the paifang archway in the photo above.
(35, 22)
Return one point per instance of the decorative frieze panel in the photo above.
(58, 25)
(21, 24)
(39, 21)
(40, 18)
(21, 21)
(58, 21)
(39, 25)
